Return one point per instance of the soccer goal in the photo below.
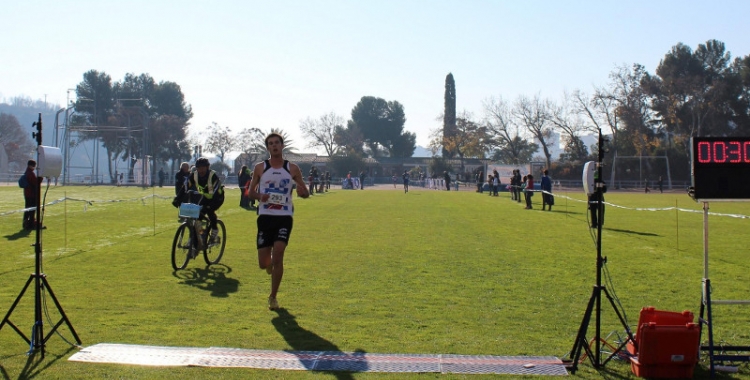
(640, 171)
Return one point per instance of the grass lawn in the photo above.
(380, 271)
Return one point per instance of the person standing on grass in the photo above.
(31, 195)
(243, 181)
(447, 178)
(162, 177)
(180, 179)
(495, 183)
(529, 190)
(547, 198)
(272, 186)
(405, 176)
(661, 185)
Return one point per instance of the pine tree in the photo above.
(449, 114)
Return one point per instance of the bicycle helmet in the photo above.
(203, 161)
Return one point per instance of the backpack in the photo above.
(23, 182)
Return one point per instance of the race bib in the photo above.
(276, 198)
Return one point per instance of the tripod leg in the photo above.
(62, 313)
(10, 311)
(622, 321)
(580, 342)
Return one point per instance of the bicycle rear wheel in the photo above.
(183, 242)
(215, 250)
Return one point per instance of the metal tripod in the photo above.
(38, 339)
(594, 306)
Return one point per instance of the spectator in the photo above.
(547, 197)
(31, 196)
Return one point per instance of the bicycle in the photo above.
(186, 246)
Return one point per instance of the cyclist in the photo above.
(207, 183)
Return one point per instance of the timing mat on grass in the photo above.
(318, 360)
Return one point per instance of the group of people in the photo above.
(270, 183)
(425, 182)
(519, 185)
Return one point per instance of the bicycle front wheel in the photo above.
(215, 249)
(181, 246)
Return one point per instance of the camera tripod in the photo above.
(38, 339)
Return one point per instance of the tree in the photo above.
(15, 140)
(251, 142)
(341, 163)
(469, 141)
(322, 131)
(94, 98)
(517, 151)
(571, 125)
(449, 113)
(696, 93)
(95, 106)
(382, 124)
(219, 141)
(349, 140)
(533, 114)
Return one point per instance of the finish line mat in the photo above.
(318, 360)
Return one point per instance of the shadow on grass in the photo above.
(18, 235)
(212, 278)
(301, 339)
(35, 364)
(630, 232)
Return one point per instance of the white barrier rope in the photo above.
(87, 203)
(558, 195)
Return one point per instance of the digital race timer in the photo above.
(720, 168)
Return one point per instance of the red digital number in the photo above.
(734, 153)
(719, 154)
(704, 152)
(745, 151)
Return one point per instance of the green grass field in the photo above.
(376, 271)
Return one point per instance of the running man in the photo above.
(272, 186)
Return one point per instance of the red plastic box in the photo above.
(668, 344)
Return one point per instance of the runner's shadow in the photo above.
(18, 235)
(306, 344)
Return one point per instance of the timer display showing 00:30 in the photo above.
(723, 152)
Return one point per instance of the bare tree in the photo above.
(569, 122)
(219, 141)
(251, 142)
(502, 132)
(15, 140)
(533, 114)
(601, 111)
(322, 131)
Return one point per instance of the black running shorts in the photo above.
(272, 228)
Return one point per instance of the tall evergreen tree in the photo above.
(449, 115)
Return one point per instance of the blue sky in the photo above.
(274, 63)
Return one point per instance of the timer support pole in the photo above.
(594, 306)
(705, 310)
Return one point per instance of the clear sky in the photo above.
(271, 64)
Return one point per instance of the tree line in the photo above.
(701, 92)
